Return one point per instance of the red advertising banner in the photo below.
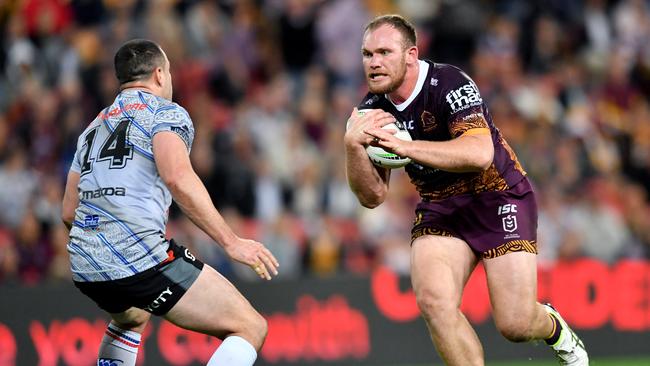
(347, 320)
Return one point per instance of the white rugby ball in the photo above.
(386, 159)
(381, 157)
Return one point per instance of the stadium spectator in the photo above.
(583, 114)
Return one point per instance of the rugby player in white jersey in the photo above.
(130, 161)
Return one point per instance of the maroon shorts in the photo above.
(492, 223)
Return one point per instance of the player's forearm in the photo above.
(364, 179)
(193, 199)
(70, 199)
(460, 155)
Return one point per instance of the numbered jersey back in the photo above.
(120, 221)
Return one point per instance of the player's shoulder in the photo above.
(170, 111)
(456, 90)
(375, 101)
(449, 74)
(101, 117)
(153, 101)
(160, 104)
(371, 101)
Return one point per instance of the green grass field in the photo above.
(595, 362)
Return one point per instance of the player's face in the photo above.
(384, 59)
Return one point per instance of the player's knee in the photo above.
(434, 308)
(262, 329)
(134, 322)
(258, 329)
(515, 330)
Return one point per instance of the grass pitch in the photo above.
(601, 361)
(594, 362)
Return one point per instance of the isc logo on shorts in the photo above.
(508, 208)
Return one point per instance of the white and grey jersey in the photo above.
(119, 224)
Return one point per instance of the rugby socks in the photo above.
(118, 345)
(555, 334)
(234, 351)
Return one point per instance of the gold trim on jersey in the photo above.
(476, 131)
(512, 154)
(472, 122)
(486, 181)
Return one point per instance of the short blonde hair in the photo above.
(398, 22)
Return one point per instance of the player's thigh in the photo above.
(440, 267)
(512, 283)
(212, 305)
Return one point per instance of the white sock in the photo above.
(234, 351)
(118, 345)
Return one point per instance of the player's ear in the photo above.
(412, 55)
(159, 75)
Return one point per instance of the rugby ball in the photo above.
(383, 158)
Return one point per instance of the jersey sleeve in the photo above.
(76, 165)
(461, 105)
(370, 101)
(80, 151)
(174, 118)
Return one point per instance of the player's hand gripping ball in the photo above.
(383, 158)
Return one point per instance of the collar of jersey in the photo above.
(135, 91)
(424, 68)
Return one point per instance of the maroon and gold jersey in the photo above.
(444, 105)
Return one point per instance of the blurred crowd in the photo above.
(269, 85)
